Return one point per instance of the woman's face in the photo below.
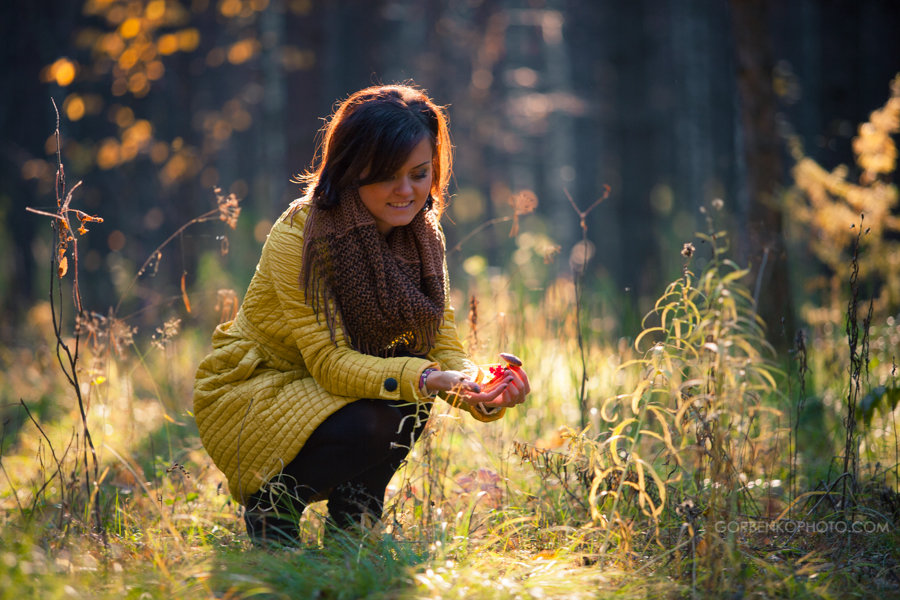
(395, 202)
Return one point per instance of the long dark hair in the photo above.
(377, 128)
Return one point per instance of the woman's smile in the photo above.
(395, 201)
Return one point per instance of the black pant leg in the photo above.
(364, 493)
(350, 458)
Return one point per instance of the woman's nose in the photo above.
(404, 187)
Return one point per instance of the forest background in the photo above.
(676, 114)
(666, 103)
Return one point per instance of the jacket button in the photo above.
(390, 384)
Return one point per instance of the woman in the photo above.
(322, 383)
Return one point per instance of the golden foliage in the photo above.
(129, 47)
(830, 206)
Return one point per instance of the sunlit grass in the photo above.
(468, 516)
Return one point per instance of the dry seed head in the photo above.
(170, 329)
(229, 209)
(227, 304)
(548, 252)
(121, 335)
(523, 203)
(472, 318)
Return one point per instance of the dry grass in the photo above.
(513, 509)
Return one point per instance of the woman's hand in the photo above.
(509, 390)
(458, 383)
(514, 387)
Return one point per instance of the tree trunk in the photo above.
(760, 241)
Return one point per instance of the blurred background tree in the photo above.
(673, 105)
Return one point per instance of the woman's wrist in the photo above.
(423, 381)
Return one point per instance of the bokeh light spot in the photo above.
(35, 168)
(119, 87)
(138, 84)
(130, 28)
(261, 230)
(300, 7)
(475, 265)
(188, 39)
(123, 116)
(74, 107)
(239, 188)
(116, 240)
(154, 218)
(662, 199)
(468, 205)
(155, 70)
(230, 8)
(155, 10)
(167, 44)
(582, 252)
(62, 71)
(159, 152)
(215, 57)
(128, 59)
(108, 154)
(242, 51)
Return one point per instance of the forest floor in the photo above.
(520, 508)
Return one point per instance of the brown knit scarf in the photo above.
(388, 291)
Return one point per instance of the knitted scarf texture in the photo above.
(388, 291)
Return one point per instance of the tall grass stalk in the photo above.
(68, 356)
(802, 362)
(859, 359)
(579, 268)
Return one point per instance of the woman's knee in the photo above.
(376, 425)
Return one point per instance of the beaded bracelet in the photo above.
(422, 379)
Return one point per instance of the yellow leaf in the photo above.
(649, 330)
(637, 395)
(184, 296)
(615, 437)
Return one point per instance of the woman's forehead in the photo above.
(421, 154)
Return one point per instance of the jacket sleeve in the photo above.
(335, 365)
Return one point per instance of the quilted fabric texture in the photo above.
(275, 374)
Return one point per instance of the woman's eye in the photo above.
(420, 175)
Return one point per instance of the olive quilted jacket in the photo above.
(275, 374)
